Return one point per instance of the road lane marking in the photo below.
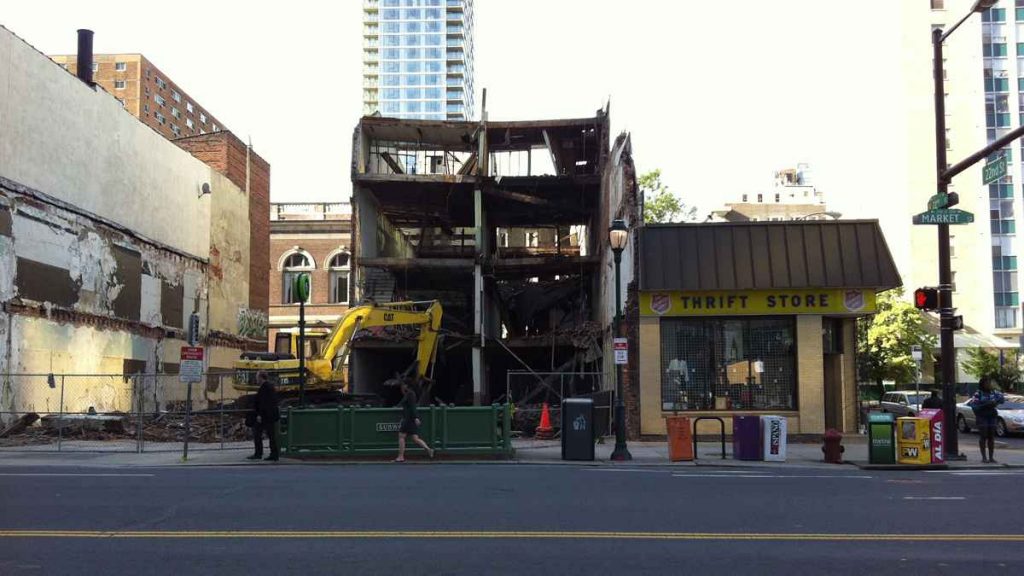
(624, 470)
(934, 498)
(520, 535)
(86, 475)
(770, 476)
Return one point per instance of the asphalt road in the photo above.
(496, 519)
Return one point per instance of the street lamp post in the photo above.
(944, 176)
(618, 236)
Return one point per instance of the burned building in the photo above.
(502, 222)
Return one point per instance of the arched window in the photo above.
(292, 265)
(339, 269)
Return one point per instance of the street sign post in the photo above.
(944, 216)
(621, 351)
(190, 370)
(994, 170)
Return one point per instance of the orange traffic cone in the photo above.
(545, 431)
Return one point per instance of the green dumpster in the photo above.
(881, 438)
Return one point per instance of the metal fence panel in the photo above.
(114, 412)
(528, 391)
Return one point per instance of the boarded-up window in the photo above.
(45, 283)
(128, 303)
(5, 221)
(171, 299)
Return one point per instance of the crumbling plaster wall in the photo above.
(620, 200)
(229, 255)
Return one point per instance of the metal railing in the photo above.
(309, 210)
(118, 413)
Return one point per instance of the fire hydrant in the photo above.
(833, 447)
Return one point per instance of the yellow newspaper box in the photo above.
(913, 441)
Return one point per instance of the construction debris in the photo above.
(19, 425)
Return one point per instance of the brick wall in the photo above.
(225, 153)
(320, 239)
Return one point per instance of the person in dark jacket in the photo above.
(264, 416)
(934, 400)
(410, 425)
(986, 414)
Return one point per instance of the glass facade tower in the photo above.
(418, 59)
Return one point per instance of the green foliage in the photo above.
(660, 205)
(981, 362)
(884, 340)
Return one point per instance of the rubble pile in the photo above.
(163, 427)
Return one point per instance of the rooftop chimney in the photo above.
(85, 56)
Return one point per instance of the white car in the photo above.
(1010, 419)
(903, 402)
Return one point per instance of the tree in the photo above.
(980, 362)
(661, 205)
(884, 340)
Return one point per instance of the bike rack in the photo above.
(721, 436)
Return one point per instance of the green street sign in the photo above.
(301, 287)
(938, 201)
(994, 170)
(944, 216)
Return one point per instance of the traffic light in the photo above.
(926, 298)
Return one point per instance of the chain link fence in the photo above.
(119, 413)
(528, 392)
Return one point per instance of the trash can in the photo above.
(680, 438)
(934, 419)
(773, 440)
(881, 445)
(746, 437)
(913, 441)
(578, 429)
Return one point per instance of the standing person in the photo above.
(264, 416)
(410, 426)
(934, 400)
(986, 415)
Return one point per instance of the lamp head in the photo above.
(982, 5)
(618, 235)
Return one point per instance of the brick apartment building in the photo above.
(148, 94)
(313, 238)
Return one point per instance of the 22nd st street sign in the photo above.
(944, 216)
(994, 170)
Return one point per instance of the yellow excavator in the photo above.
(326, 355)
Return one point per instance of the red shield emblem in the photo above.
(660, 303)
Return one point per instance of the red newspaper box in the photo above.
(936, 432)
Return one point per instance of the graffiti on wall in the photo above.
(252, 323)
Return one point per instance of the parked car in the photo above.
(1010, 419)
(903, 402)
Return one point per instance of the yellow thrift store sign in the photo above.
(759, 302)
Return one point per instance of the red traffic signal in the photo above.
(926, 298)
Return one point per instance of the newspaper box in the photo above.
(774, 440)
(935, 433)
(913, 441)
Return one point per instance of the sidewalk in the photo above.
(533, 452)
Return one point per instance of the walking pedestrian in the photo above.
(410, 425)
(264, 416)
(986, 416)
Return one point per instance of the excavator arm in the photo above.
(339, 341)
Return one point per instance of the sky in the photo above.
(718, 95)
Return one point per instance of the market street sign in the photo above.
(994, 170)
(944, 216)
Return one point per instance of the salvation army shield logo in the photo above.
(660, 303)
(853, 300)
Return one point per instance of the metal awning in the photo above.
(766, 255)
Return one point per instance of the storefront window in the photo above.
(728, 363)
